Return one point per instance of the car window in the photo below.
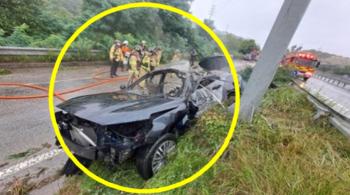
(150, 85)
(172, 85)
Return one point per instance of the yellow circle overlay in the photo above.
(52, 88)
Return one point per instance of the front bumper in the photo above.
(85, 151)
(88, 152)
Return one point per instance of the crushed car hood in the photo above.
(117, 107)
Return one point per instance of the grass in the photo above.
(245, 73)
(282, 75)
(4, 71)
(283, 151)
(25, 184)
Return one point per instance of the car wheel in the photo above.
(150, 159)
(71, 169)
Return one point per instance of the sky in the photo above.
(325, 26)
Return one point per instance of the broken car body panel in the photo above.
(133, 116)
(116, 107)
(112, 126)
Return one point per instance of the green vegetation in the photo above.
(282, 75)
(4, 71)
(331, 60)
(51, 27)
(342, 71)
(283, 151)
(246, 46)
(334, 69)
(245, 73)
(48, 23)
(237, 45)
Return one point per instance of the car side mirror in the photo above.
(122, 86)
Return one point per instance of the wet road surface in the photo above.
(26, 131)
(27, 139)
(336, 97)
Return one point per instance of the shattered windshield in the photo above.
(167, 83)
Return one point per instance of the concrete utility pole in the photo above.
(288, 19)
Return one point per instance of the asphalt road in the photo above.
(336, 97)
(27, 148)
(26, 131)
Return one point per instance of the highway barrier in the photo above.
(30, 51)
(28, 57)
(334, 80)
(325, 106)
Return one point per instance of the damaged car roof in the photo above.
(115, 107)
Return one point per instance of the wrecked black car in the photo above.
(142, 120)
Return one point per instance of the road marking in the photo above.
(30, 162)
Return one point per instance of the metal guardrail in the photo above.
(334, 80)
(338, 120)
(30, 51)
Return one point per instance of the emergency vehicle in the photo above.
(303, 64)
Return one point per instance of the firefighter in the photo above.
(134, 61)
(116, 57)
(159, 56)
(145, 66)
(126, 54)
(145, 63)
(143, 46)
(193, 56)
(153, 59)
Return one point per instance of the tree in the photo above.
(231, 41)
(2, 38)
(19, 37)
(52, 41)
(44, 17)
(14, 13)
(47, 23)
(248, 46)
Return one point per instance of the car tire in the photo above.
(147, 157)
(70, 168)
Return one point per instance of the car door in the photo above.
(209, 91)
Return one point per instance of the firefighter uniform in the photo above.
(116, 57)
(159, 56)
(134, 61)
(153, 60)
(126, 54)
(145, 66)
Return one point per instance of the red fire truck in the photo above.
(303, 64)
